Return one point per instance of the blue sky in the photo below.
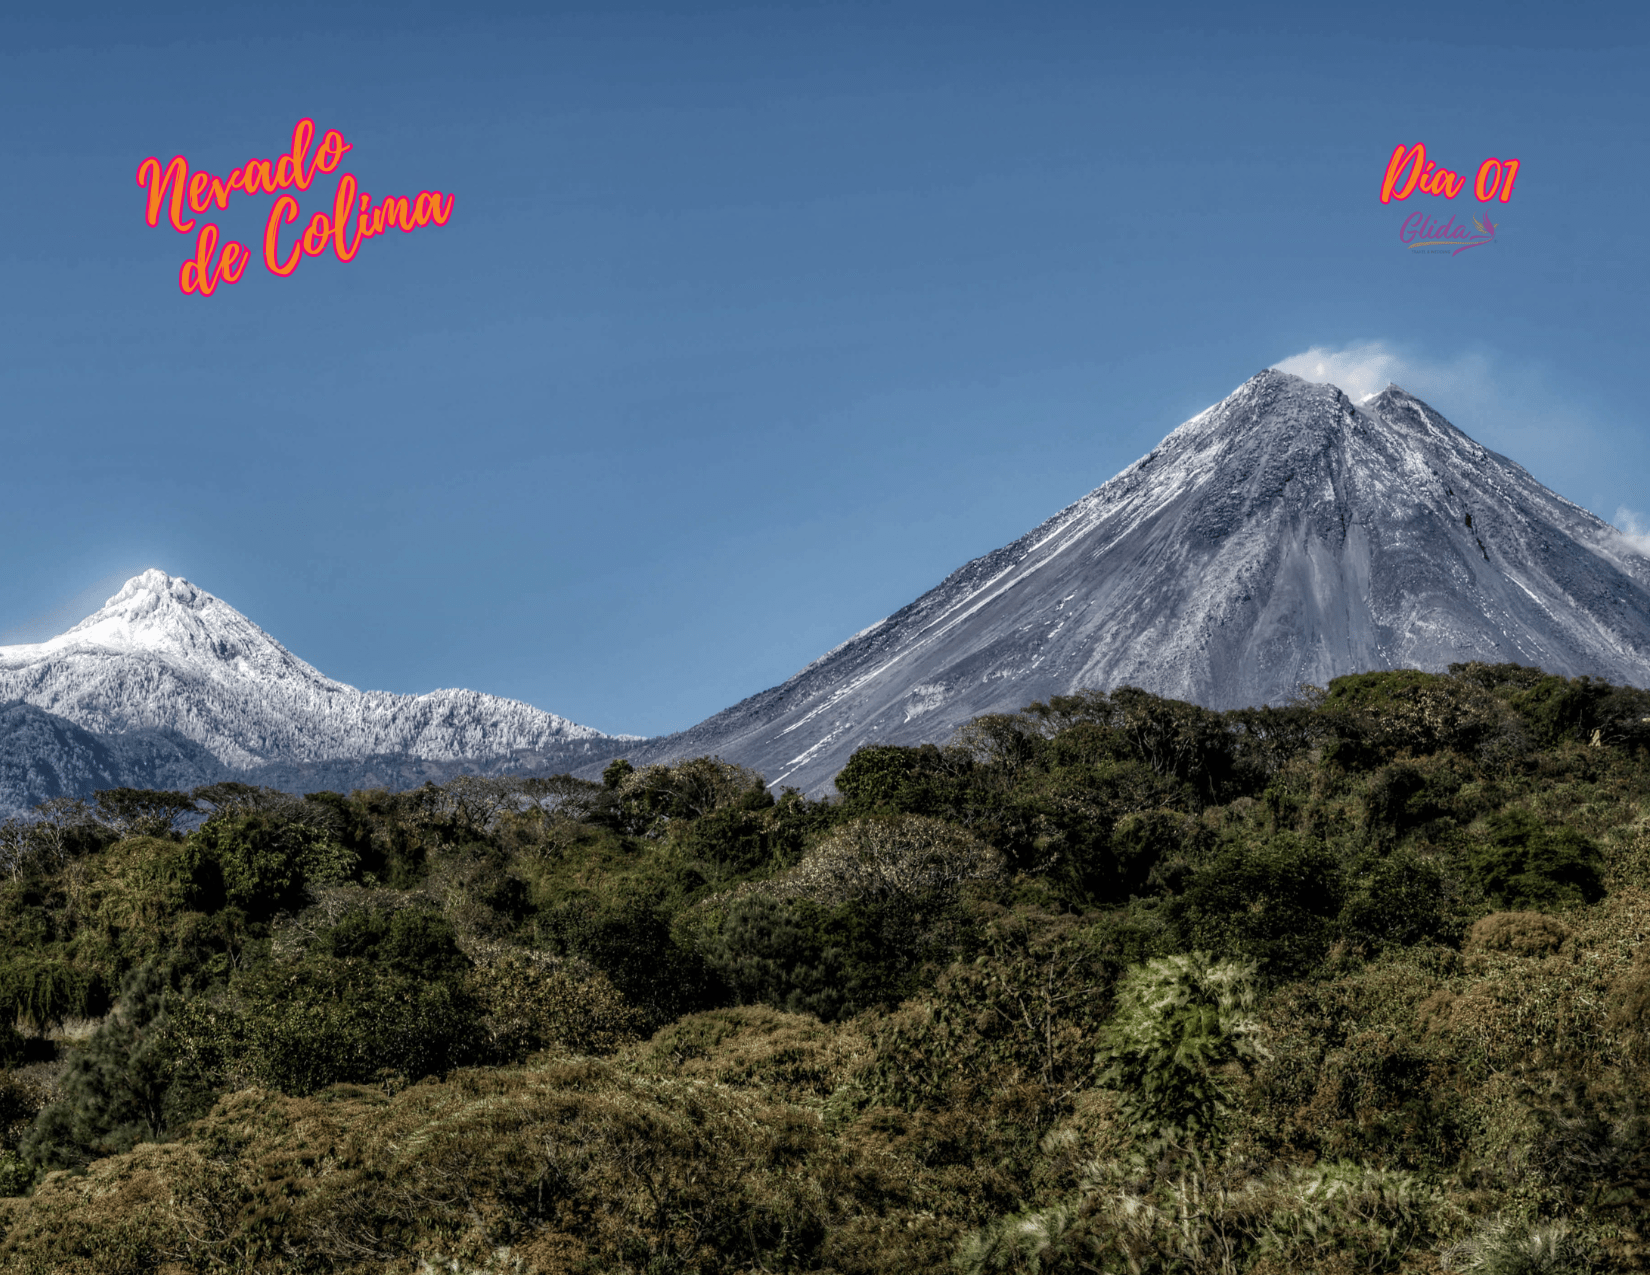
(753, 322)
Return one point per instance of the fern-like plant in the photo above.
(1180, 1021)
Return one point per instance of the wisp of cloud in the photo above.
(1633, 530)
(1360, 370)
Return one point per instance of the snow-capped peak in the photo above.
(165, 654)
(167, 617)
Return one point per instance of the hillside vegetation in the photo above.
(1115, 984)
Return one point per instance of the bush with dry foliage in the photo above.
(908, 860)
(576, 1166)
(531, 1001)
(1522, 933)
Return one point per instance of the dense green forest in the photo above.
(1115, 984)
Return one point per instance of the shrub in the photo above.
(1630, 999)
(794, 955)
(627, 936)
(1405, 710)
(1403, 900)
(328, 1021)
(530, 1002)
(1393, 793)
(1014, 1025)
(1144, 840)
(886, 775)
(16, 1174)
(652, 798)
(734, 840)
(411, 942)
(789, 1056)
(1522, 933)
(1175, 739)
(1275, 904)
(905, 860)
(1557, 708)
(1523, 862)
(478, 892)
(387, 833)
(151, 880)
(1591, 1144)
(1004, 746)
(886, 893)
(1506, 678)
(574, 1167)
(265, 860)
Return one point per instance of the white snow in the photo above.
(164, 653)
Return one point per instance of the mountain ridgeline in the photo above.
(168, 686)
(1285, 536)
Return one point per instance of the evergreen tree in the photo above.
(123, 1088)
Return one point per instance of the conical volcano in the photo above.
(1286, 535)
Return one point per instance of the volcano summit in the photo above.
(1285, 535)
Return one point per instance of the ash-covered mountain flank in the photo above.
(168, 686)
(1285, 535)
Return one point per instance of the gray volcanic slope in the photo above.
(1285, 535)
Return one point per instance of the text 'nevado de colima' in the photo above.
(354, 217)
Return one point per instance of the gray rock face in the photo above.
(1285, 535)
(43, 755)
(168, 686)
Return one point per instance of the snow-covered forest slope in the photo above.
(169, 686)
